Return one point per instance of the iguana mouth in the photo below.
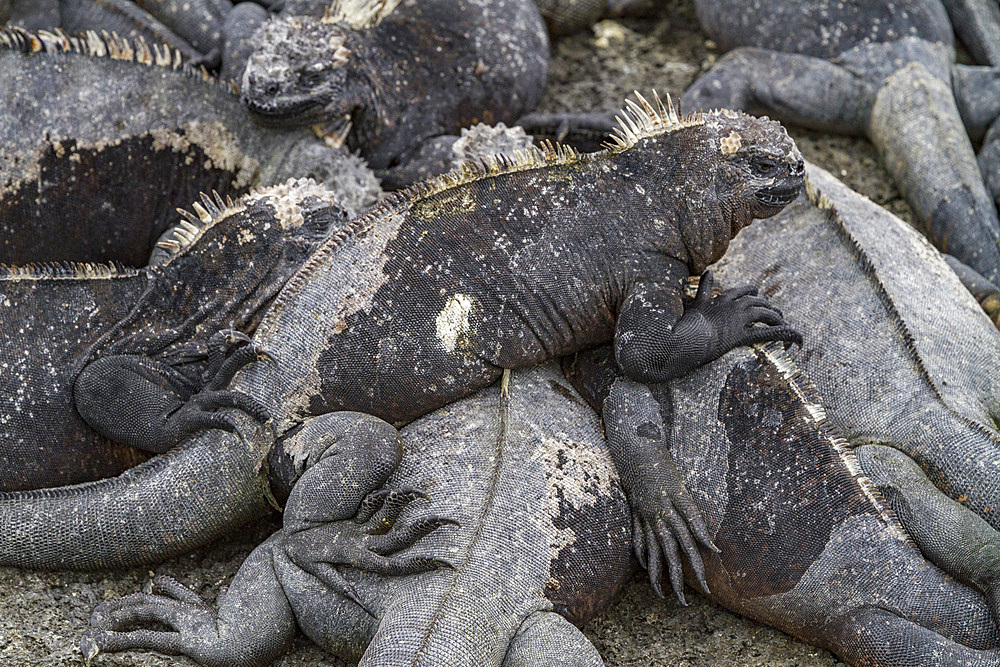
(778, 195)
(287, 111)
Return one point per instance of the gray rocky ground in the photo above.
(43, 614)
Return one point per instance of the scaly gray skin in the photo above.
(207, 274)
(409, 288)
(427, 69)
(860, 269)
(540, 543)
(809, 544)
(881, 69)
(149, 139)
(543, 530)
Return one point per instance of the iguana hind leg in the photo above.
(949, 535)
(147, 404)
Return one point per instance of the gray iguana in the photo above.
(881, 69)
(431, 294)
(901, 356)
(401, 74)
(100, 181)
(543, 533)
(207, 273)
(540, 542)
(808, 542)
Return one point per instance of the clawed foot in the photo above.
(666, 521)
(740, 317)
(370, 541)
(229, 351)
(164, 601)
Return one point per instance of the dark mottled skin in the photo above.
(881, 69)
(55, 319)
(807, 544)
(430, 295)
(540, 536)
(430, 68)
(100, 181)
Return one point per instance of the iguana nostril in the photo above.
(271, 89)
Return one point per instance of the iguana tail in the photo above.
(163, 507)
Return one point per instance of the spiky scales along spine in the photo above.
(98, 45)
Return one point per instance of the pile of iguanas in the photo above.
(484, 399)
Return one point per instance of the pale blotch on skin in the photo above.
(730, 143)
(453, 321)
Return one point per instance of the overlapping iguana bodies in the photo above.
(882, 69)
(206, 274)
(540, 542)
(102, 139)
(437, 289)
(402, 73)
(543, 529)
(808, 543)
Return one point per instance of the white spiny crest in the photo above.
(640, 119)
(207, 212)
(103, 45)
(359, 14)
(63, 270)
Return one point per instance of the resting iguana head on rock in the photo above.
(400, 73)
(100, 180)
(883, 69)
(429, 295)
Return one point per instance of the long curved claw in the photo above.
(407, 536)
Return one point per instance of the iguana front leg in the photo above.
(144, 403)
(659, 338)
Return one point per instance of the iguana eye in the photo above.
(764, 166)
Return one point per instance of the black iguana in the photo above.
(401, 75)
(542, 534)
(99, 181)
(437, 289)
(882, 69)
(205, 274)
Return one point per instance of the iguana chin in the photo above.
(400, 74)
(433, 292)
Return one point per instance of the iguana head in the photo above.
(760, 169)
(715, 171)
(303, 72)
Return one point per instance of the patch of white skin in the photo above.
(577, 474)
(452, 322)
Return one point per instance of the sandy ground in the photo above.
(42, 615)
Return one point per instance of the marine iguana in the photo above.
(540, 542)
(400, 73)
(432, 293)
(921, 378)
(543, 529)
(100, 181)
(808, 543)
(881, 69)
(207, 273)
